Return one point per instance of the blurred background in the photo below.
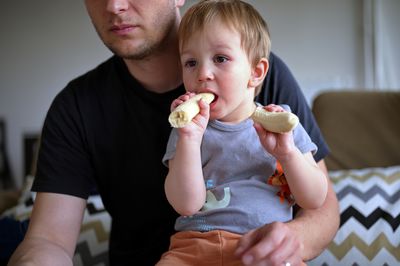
(328, 45)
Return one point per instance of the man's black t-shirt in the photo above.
(105, 130)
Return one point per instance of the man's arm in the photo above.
(53, 231)
(316, 228)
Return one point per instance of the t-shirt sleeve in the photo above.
(171, 147)
(63, 163)
(301, 138)
(280, 87)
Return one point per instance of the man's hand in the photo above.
(273, 244)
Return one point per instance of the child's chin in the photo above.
(213, 116)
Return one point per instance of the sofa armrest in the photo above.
(362, 128)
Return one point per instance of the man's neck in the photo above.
(160, 72)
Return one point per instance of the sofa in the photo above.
(362, 129)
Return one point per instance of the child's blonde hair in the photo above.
(237, 15)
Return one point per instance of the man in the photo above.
(109, 128)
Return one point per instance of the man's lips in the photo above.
(122, 29)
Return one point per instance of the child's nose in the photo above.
(205, 73)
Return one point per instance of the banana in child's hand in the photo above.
(184, 113)
(278, 122)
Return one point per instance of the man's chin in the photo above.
(131, 53)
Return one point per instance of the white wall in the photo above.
(46, 43)
(321, 40)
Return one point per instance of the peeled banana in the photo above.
(184, 113)
(277, 122)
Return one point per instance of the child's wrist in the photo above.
(289, 156)
(192, 140)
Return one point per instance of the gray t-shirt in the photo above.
(236, 168)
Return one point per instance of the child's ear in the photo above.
(259, 72)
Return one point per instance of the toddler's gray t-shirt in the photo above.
(236, 168)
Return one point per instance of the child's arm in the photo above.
(307, 182)
(184, 185)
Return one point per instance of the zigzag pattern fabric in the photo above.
(92, 245)
(369, 232)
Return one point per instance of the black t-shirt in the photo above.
(105, 130)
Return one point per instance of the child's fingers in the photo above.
(175, 103)
(274, 108)
(181, 99)
(204, 108)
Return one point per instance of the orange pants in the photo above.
(195, 248)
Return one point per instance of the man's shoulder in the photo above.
(98, 75)
(277, 65)
(91, 82)
(84, 90)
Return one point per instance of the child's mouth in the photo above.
(213, 103)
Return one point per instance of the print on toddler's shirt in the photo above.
(212, 203)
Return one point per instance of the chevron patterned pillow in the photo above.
(92, 244)
(369, 232)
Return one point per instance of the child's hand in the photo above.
(181, 99)
(274, 108)
(199, 123)
(277, 144)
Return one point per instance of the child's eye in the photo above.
(220, 59)
(190, 63)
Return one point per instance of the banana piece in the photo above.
(278, 122)
(184, 113)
